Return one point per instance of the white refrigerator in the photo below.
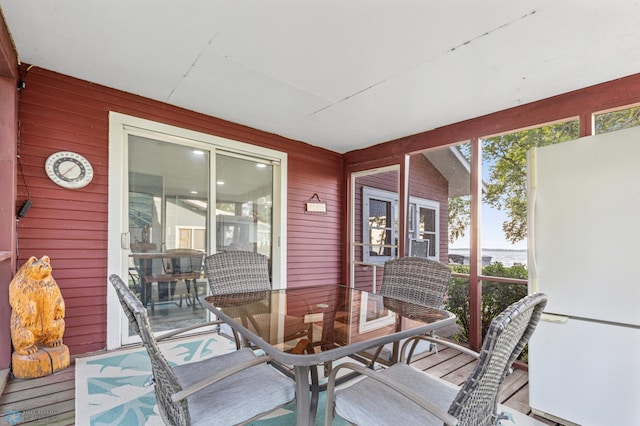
(584, 253)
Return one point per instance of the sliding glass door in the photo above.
(183, 198)
(244, 204)
(168, 215)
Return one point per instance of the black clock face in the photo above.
(69, 170)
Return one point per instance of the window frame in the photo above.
(192, 238)
(369, 193)
(415, 204)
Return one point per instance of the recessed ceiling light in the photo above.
(261, 166)
(198, 152)
(220, 182)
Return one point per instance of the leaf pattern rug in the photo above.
(115, 388)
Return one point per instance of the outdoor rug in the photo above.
(115, 388)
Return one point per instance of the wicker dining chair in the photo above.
(233, 388)
(236, 271)
(415, 280)
(404, 392)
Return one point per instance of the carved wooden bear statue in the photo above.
(37, 319)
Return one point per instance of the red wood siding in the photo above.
(63, 113)
(315, 241)
(425, 181)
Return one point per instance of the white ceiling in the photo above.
(334, 73)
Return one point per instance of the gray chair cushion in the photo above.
(475, 403)
(360, 403)
(249, 393)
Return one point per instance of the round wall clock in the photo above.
(69, 170)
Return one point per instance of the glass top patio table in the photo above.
(342, 321)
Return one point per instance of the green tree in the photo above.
(506, 159)
(617, 120)
(459, 217)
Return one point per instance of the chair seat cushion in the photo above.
(369, 402)
(237, 398)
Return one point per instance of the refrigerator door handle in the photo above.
(556, 319)
(531, 208)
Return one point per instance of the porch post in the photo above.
(475, 255)
(403, 198)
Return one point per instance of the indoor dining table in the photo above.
(341, 322)
(165, 270)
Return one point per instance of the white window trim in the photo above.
(365, 326)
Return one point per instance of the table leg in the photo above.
(303, 402)
(146, 293)
(315, 393)
(143, 291)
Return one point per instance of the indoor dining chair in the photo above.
(185, 265)
(228, 389)
(415, 280)
(404, 392)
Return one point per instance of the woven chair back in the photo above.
(415, 280)
(476, 403)
(237, 272)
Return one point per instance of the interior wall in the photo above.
(62, 113)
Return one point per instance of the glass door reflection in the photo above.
(168, 190)
(244, 204)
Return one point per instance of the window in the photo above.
(380, 220)
(380, 224)
(616, 120)
(426, 215)
(191, 238)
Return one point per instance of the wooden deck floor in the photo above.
(51, 400)
(455, 367)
